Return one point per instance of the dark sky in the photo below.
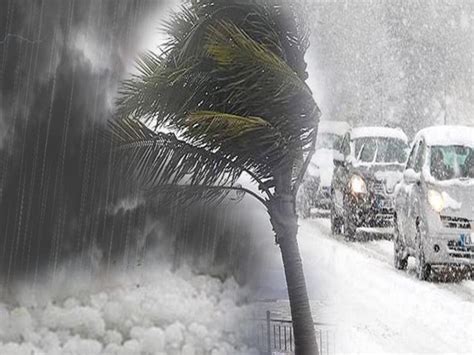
(60, 64)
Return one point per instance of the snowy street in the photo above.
(378, 309)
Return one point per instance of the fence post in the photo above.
(269, 334)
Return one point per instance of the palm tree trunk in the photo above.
(285, 224)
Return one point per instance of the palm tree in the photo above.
(226, 97)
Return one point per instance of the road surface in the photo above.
(376, 308)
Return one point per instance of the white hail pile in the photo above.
(146, 312)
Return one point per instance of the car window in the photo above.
(420, 157)
(451, 162)
(412, 157)
(367, 152)
(380, 150)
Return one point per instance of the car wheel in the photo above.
(423, 269)
(400, 258)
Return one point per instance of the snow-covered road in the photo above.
(376, 308)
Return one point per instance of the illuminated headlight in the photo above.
(436, 200)
(358, 185)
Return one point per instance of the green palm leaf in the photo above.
(153, 95)
(234, 134)
(225, 126)
(156, 159)
(249, 73)
(233, 48)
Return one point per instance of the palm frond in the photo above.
(180, 24)
(149, 63)
(154, 95)
(232, 47)
(156, 159)
(188, 27)
(250, 74)
(235, 134)
(224, 126)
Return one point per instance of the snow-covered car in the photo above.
(317, 184)
(368, 167)
(435, 201)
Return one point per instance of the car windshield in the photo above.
(380, 150)
(328, 141)
(452, 162)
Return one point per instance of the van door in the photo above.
(413, 197)
(402, 200)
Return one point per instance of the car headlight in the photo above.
(358, 185)
(436, 200)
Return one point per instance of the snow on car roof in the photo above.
(447, 135)
(334, 127)
(361, 132)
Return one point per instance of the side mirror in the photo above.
(411, 177)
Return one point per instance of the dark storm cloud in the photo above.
(60, 64)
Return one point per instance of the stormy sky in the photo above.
(61, 62)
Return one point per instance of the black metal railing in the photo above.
(275, 336)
